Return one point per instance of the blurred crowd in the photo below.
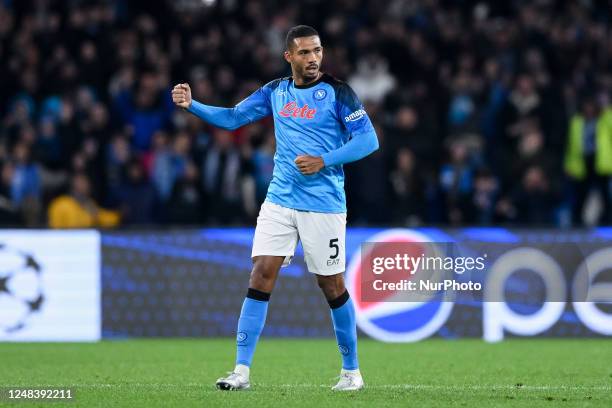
(487, 112)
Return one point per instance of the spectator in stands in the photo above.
(534, 201)
(117, 157)
(48, 147)
(78, 209)
(372, 81)
(408, 131)
(186, 204)
(222, 169)
(529, 151)
(408, 190)
(25, 184)
(136, 196)
(456, 183)
(146, 109)
(9, 214)
(484, 201)
(588, 158)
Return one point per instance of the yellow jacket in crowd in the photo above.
(575, 165)
(66, 212)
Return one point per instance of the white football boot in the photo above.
(350, 380)
(236, 380)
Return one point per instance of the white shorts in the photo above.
(322, 235)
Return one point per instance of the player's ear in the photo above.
(287, 56)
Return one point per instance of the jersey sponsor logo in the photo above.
(358, 114)
(291, 109)
(389, 319)
(319, 94)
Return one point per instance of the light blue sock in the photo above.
(343, 316)
(250, 325)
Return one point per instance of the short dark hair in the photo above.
(297, 32)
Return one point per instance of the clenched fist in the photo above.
(308, 165)
(181, 95)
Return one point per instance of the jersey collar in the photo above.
(310, 85)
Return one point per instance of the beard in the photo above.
(310, 73)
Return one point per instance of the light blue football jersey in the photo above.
(313, 119)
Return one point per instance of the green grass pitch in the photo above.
(289, 373)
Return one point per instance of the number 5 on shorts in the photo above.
(333, 243)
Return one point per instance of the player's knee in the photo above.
(332, 286)
(263, 275)
(323, 284)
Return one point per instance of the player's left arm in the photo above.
(362, 142)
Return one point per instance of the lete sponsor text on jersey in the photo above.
(291, 109)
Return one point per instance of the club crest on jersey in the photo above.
(358, 114)
(319, 94)
(291, 109)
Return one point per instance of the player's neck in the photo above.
(300, 81)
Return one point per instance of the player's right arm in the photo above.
(251, 109)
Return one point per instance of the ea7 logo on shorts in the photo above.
(358, 114)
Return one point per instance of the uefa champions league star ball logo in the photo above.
(21, 292)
